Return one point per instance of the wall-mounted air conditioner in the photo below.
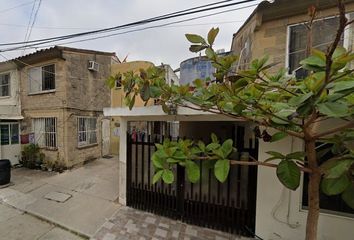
(93, 66)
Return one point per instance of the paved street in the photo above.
(81, 204)
(81, 199)
(17, 225)
(133, 224)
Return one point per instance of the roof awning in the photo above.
(155, 113)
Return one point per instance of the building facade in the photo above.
(63, 93)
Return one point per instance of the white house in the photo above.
(10, 113)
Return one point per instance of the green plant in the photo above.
(31, 156)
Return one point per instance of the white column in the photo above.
(123, 160)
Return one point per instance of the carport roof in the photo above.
(155, 113)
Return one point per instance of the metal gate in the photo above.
(228, 206)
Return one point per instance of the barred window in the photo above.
(87, 131)
(41, 78)
(4, 85)
(45, 132)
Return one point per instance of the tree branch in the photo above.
(257, 163)
(350, 124)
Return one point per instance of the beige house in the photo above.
(63, 93)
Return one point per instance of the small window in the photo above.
(9, 134)
(87, 131)
(323, 33)
(118, 82)
(4, 85)
(41, 78)
(45, 132)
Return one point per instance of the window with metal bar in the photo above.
(41, 78)
(45, 132)
(4, 85)
(86, 131)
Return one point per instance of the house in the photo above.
(63, 93)
(252, 200)
(10, 113)
(117, 100)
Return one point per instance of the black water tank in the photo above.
(5, 171)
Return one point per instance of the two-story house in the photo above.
(63, 93)
(279, 30)
(10, 112)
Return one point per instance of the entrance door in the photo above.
(10, 142)
(105, 137)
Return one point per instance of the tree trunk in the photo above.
(313, 192)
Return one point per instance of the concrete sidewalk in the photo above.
(80, 200)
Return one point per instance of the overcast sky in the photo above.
(160, 45)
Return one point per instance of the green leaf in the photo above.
(278, 136)
(159, 146)
(131, 103)
(193, 171)
(179, 155)
(334, 186)
(348, 196)
(167, 176)
(197, 48)
(172, 160)
(314, 61)
(145, 92)
(339, 168)
(194, 38)
(296, 155)
(210, 53)
(214, 138)
(201, 146)
(289, 174)
(226, 147)
(343, 85)
(212, 35)
(157, 161)
(157, 176)
(333, 109)
(298, 100)
(221, 169)
(338, 52)
(276, 154)
(212, 146)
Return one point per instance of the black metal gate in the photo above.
(228, 206)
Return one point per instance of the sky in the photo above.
(159, 45)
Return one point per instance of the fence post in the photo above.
(180, 190)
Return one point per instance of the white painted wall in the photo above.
(273, 199)
(10, 105)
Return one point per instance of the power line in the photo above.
(34, 20)
(29, 24)
(181, 13)
(129, 31)
(82, 28)
(17, 6)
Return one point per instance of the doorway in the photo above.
(10, 147)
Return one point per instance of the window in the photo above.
(4, 85)
(87, 131)
(323, 33)
(328, 204)
(118, 82)
(45, 132)
(41, 78)
(9, 133)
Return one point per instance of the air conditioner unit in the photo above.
(93, 66)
